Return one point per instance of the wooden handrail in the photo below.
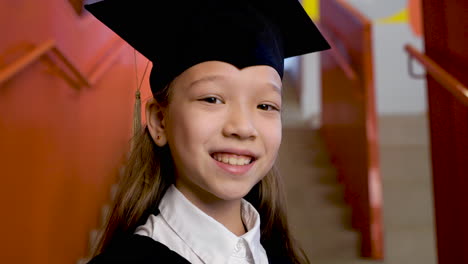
(109, 61)
(339, 58)
(50, 45)
(24, 61)
(34, 55)
(455, 87)
(71, 67)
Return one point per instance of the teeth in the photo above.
(232, 159)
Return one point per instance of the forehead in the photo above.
(218, 71)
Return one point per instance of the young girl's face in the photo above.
(223, 127)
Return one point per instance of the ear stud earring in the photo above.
(158, 137)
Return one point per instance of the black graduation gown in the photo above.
(145, 250)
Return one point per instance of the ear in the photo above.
(155, 120)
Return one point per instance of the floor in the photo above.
(318, 216)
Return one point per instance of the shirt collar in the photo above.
(209, 239)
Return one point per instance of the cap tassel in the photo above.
(137, 106)
(137, 114)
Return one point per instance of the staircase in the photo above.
(318, 215)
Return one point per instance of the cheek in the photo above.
(188, 129)
(183, 138)
(272, 133)
(276, 141)
(180, 129)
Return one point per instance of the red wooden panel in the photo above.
(60, 148)
(446, 43)
(349, 118)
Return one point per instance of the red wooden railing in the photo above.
(455, 87)
(77, 79)
(349, 121)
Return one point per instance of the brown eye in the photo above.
(267, 107)
(211, 100)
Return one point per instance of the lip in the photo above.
(239, 152)
(235, 169)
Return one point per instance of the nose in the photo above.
(240, 124)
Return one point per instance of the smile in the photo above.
(232, 159)
(236, 164)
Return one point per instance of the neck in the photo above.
(226, 212)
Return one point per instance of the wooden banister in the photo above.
(455, 87)
(337, 56)
(24, 61)
(349, 118)
(71, 67)
(17, 66)
(108, 62)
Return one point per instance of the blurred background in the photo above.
(375, 131)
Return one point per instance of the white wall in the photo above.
(396, 91)
(311, 85)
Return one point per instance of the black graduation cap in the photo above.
(177, 34)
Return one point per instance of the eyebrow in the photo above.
(212, 78)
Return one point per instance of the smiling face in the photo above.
(223, 127)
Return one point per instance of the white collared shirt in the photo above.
(199, 238)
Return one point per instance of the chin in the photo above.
(231, 192)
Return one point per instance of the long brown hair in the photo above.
(149, 172)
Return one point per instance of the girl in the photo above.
(200, 184)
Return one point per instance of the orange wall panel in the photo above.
(60, 147)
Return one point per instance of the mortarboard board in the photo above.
(175, 35)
